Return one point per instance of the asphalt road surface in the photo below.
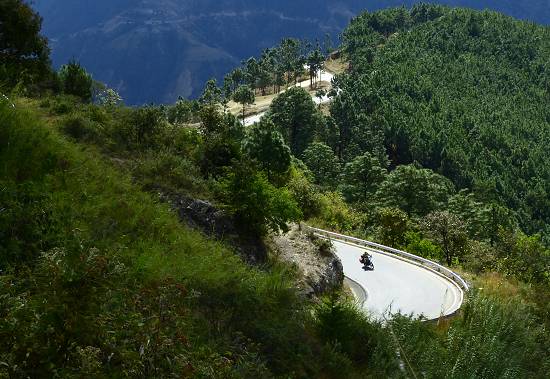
(398, 286)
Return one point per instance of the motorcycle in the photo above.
(366, 261)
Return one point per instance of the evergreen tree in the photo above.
(24, 53)
(321, 161)
(252, 72)
(362, 177)
(211, 94)
(297, 117)
(416, 191)
(393, 224)
(290, 55)
(244, 95)
(266, 145)
(449, 232)
(76, 81)
(258, 206)
(316, 63)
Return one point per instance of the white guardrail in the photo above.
(454, 277)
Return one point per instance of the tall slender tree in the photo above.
(244, 95)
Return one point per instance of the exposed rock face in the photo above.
(321, 268)
(202, 215)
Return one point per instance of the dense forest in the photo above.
(447, 90)
(434, 142)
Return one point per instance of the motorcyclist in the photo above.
(366, 261)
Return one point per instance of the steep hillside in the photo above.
(100, 278)
(155, 51)
(460, 92)
(159, 50)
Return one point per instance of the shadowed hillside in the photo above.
(159, 50)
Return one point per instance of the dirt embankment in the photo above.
(321, 269)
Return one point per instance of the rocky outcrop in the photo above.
(204, 216)
(321, 269)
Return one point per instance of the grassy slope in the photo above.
(104, 279)
(109, 284)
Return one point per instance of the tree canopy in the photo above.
(76, 81)
(24, 52)
(295, 114)
(265, 145)
(461, 92)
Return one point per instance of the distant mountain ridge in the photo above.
(157, 50)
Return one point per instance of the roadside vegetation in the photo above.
(98, 278)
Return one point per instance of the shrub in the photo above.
(80, 128)
(258, 206)
(336, 214)
(324, 246)
(115, 286)
(304, 192)
(61, 108)
(491, 339)
(76, 81)
(394, 223)
(347, 329)
(423, 247)
(169, 171)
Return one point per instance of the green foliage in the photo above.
(474, 213)
(218, 153)
(481, 257)
(350, 332)
(461, 92)
(362, 177)
(417, 191)
(265, 145)
(258, 206)
(76, 81)
(316, 63)
(297, 117)
(169, 171)
(524, 257)
(423, 247)
(335, 214)
(24, 53)
(355, 133)
(492, 339)
(449, 232)
(244, 95)
(304, 192)
(321, 161)
(211, 94)
(182, 112)
(100, 279)
(222, 140)
(393, 224)
(109, 98)
(80, 128)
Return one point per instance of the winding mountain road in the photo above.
(325, 76)
(398, 285)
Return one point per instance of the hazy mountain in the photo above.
(157, 50)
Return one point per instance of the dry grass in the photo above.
(337, 66)
(495, 284)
